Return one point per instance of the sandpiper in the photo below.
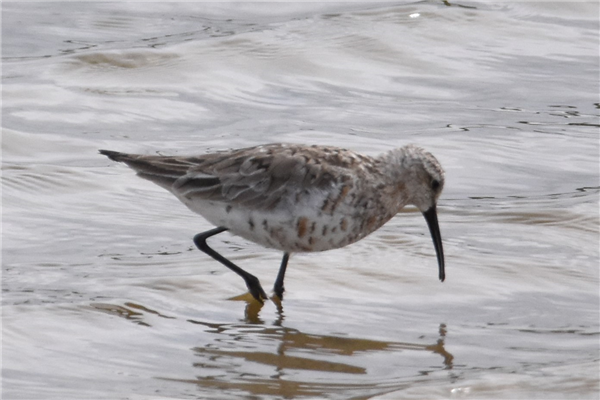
(297, 198)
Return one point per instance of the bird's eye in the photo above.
(435, 184)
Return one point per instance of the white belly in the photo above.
(285, 230)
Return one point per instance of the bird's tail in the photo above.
(115, 155)
(163, 171)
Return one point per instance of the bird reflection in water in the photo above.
(271, 359)
(276, 360)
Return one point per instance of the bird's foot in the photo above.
(256, 289)
(278, 291)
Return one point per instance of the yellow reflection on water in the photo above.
(277, 360)
(272, 359)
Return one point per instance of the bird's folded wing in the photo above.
(255, 180)
(253, 177)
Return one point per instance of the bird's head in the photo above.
(422, 179)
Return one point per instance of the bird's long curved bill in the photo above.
(432, 222)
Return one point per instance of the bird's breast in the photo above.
(334, 223)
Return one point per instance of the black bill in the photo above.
(432, 221)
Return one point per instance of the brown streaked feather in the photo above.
(253, 177)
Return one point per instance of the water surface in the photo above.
(105, 296)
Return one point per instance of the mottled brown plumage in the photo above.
(298, 198)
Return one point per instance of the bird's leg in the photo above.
(252, 282)
(278, 287)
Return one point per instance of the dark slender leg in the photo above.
(251, 281)
(278, 288)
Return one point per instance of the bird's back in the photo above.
(283, 196)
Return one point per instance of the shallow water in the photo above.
(105, 296)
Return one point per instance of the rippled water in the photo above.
(105, 296)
